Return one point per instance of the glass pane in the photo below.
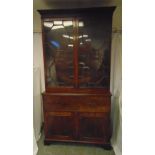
(94, 52)
(58, 52)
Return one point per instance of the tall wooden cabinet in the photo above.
(76, 49)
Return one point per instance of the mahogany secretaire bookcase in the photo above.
(76, 50)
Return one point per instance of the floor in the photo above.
(70, 149)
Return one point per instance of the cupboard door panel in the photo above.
(60, 125)
(91, 126)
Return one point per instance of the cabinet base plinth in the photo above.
(46, 142)
(106, 146)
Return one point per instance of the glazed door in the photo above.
(77, 52)
(94, 52)
(58, 52)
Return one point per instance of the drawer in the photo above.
(59, 103)
(95, 103)
(81, 103)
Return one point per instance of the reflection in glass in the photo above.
(94, 58)
(57, 27)
(59, 53)
(48, 24)
(93, 52)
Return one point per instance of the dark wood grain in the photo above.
(88, 114)
(76, 12)
(74, 114)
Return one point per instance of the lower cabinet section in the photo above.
(82, 127)
(82, 122)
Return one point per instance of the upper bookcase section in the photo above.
(77, 47)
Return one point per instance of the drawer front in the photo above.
(59, 103)
(81, 103)
(96, 103)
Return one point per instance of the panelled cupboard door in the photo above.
(59, 125)
(92, 126)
